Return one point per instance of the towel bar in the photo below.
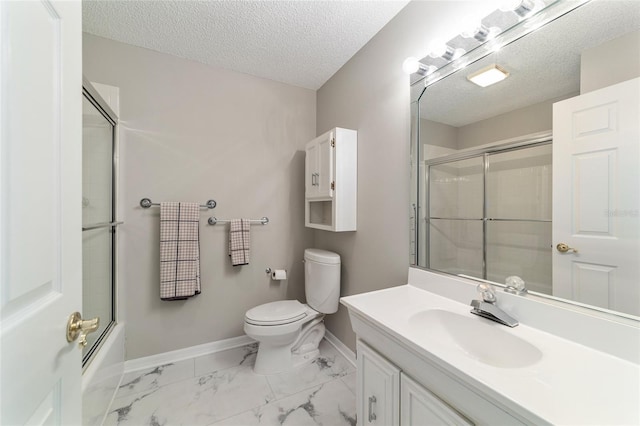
(214, 220)
(145, 203)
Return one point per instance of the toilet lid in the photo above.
(283, 311)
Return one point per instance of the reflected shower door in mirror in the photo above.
(508, 173)
(98, 217)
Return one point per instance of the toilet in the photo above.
(288, 331)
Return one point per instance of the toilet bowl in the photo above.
(288, 331)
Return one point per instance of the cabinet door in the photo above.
(377, 392)
(311, 169)
(419, 407)
(325, 165)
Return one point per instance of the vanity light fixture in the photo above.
(413, 65)
(488, 75)
(474, 28)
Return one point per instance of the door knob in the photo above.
(563, 248)
(76, 326)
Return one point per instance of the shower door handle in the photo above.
(76, 326)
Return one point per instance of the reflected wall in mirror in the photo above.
(504, 174)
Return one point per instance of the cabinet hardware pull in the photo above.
(372, 415)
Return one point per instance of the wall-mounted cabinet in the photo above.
(331, 174)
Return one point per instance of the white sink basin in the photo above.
(486, 342)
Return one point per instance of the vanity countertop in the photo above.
(568, 384)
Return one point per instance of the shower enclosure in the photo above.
(488, 213)
(99, 224)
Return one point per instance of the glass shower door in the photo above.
(97, 221)
(519, 216)
(455, 213)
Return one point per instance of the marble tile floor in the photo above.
(222, 389)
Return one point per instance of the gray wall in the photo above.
(190, 132)
(596, 66)
(370, 94)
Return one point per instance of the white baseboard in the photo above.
(341, 347)
(186, 353)
(212, 347)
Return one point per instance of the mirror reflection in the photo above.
(536, 176)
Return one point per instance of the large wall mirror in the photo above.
(538, 175)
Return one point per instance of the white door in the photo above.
(40, 210)
(596, 191)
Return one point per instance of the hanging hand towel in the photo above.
(179, 250)
(239, 241)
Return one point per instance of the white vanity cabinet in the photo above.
(386, 396)
(331, 171)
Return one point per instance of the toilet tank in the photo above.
(322, 280)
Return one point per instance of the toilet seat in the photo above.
(276, 313)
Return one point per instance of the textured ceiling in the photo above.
(544, 65)
(301, 42)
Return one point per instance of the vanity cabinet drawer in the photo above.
(378, 389)
(420, 407)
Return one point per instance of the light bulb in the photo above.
(509, 5)
(471, 26)
(438, 48)
(411, 65)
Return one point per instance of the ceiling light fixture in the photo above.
(488, 76)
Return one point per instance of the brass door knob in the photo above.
(563, 248)
(76, 326)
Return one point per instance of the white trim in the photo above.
(186, 353)
(341, 347)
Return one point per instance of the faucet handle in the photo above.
(488, 293)
(515, 285)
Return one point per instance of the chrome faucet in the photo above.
(487, 307)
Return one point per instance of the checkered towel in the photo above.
(179, 250)
(239, 241)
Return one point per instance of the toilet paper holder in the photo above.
(277, 274)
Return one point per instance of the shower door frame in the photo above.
(514, 145)
(92, 95)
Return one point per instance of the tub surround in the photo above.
(587, 372)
